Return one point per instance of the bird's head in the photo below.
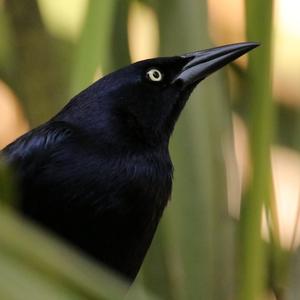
(141, 102)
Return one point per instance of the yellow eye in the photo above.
(154, 75)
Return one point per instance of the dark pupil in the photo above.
(156, 74)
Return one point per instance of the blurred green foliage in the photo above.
(259, 95)
(199, 252)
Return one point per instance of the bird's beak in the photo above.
(203, 63)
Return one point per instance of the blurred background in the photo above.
(231, 229)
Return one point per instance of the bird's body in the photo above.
(99, 173)
(105, 199)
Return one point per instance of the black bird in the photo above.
(99, 173)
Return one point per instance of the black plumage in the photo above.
(99, 173)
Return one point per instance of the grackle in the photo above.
(99, 173)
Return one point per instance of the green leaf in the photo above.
(259, 96)
(92, 49)
(33, 256)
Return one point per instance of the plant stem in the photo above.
(253, 261)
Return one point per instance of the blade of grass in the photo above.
(19, 239)
(119, 48)
(18, 281)
(54, 260)
(253, 260)
(93, 48)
